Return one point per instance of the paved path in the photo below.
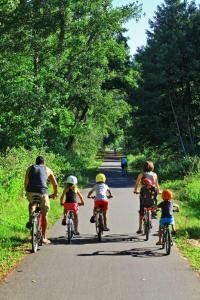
(122, 267)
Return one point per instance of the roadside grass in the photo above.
(185, 184)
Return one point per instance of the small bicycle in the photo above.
(70, 229)
(167, 241)
(99, 224)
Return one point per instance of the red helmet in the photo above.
(167, 195)
(147, 181)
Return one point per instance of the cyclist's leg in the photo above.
(31, 207)
(141, 215)
(45, 205)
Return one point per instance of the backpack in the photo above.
(148, 194)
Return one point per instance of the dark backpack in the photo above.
(148, 196)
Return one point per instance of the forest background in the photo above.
(69, 88)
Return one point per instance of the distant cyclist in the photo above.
(101, 199)
(124, 164)
(70, 201)
(153, 186)
(36, 183)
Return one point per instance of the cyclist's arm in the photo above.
(26, 179)
(109, 193)
(80, 197)
(63, 196)
(138, 181)
(53, 181)
(156, 184)
(177, 207)
(90, 192)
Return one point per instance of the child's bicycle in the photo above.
(70, 231)
(99, 224)
(167, 241)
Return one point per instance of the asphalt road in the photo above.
(122, 267)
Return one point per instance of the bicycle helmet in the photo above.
(167, 195)
(72, 179)
(100, 177)
(147, 181)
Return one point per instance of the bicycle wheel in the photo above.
(163, 238)
(40, 229)
(146, 226)
(34, 234)
(99, 227)
(69, 231)
(168, 241)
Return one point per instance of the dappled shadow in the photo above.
(147, 252)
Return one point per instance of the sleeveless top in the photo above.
(71, 196)
(37, 180)
(101, 191)
(150, 175)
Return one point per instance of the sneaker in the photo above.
(76, 233)
(139, 231)
(158, 243)
(64, 222)
(105, 228)
(92, 219)
(46, 241)
(28, 225)
(173, 232)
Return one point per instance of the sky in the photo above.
(136, 31)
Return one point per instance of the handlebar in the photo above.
(93, 197)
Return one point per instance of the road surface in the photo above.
(122, 267)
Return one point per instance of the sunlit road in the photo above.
(122, 267)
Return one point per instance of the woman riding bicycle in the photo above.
(70, 202)
(153, 178)
(101, 198)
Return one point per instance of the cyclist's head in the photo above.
(72, 180)
(167, 195)
(39, 160)
(100, 178)
(148, 166)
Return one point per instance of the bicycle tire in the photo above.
(163, 238)
(39, 229)
(168, 241)
(146, 226)
(100, 223)
(34, 234)
(69, 232)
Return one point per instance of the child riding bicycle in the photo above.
(166, 213)
(149, 190)
(70, 202)
(101, 198)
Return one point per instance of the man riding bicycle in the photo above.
(35, 184)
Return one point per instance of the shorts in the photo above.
(101, 203)
(44, 201)
(169, 220)
(71, 206)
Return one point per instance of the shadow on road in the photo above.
(135, 252)
(92, 239)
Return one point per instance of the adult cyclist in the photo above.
(36, 184)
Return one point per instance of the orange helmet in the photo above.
(167, 195)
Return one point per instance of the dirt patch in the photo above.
(194, 242)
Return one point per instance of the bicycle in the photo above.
(167, 241)
(147, 221)
(36, 225)
(70, 224)
(99, 224)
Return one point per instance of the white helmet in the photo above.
(72, 179)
